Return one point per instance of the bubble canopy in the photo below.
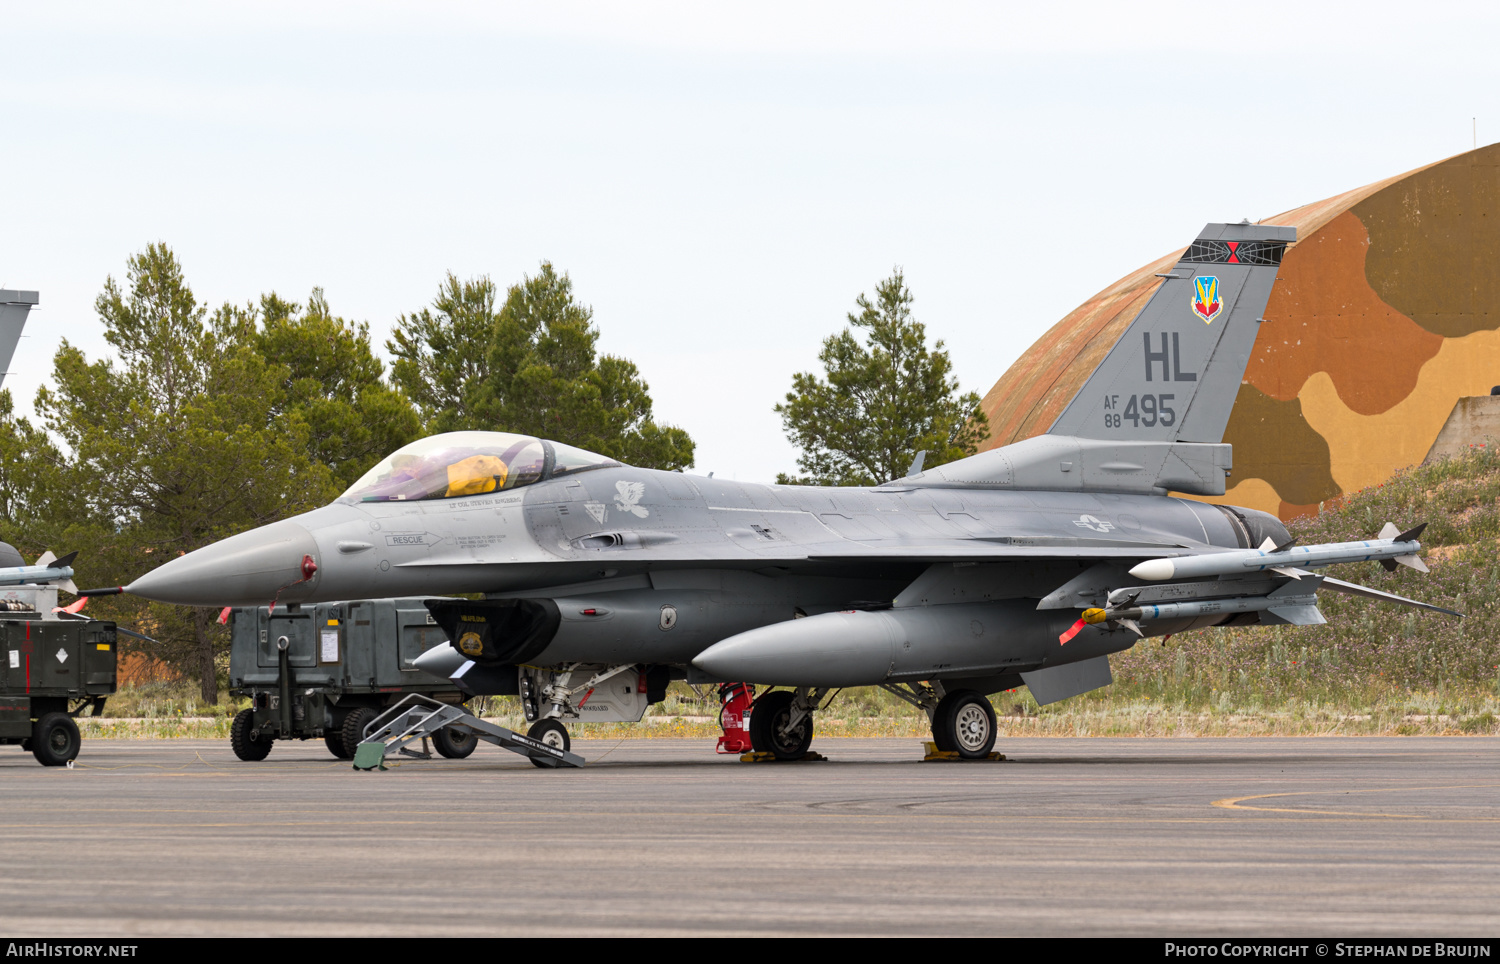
(457, 464)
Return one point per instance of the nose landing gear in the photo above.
(781, 723)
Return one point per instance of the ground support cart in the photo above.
(327, 670)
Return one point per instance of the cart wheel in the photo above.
(455, 744)
(552, 733)
(247, 745)
(54, 739)
(333, 738)
(354, 728)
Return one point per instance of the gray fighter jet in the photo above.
(1023, 565)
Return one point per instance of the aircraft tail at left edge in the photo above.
(14, 306)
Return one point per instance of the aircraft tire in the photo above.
(455, 744)
(966, 720)
(551, 733)
(353, 732)
(242, 738)
(767, 721)
(942, 733)
(54, 739)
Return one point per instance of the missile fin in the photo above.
(1388, 531)
(1349, 588)
(1293, 616)
(1288, 571)
(66, 561)
(1298, 588)
(1412, 562)
(1389, 565)
(1133, 626)
(67, 586)
(1410, 534)
(46, 559)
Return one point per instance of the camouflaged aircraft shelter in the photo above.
(1386, 311)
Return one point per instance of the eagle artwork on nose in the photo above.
(628, 496)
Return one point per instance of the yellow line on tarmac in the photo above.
(1234, 803)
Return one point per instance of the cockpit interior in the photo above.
(457, 464)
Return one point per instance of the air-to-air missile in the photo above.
(48, 569)
(1391, 548)
(602, 580)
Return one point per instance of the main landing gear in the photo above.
(963, 721)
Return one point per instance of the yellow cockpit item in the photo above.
(476, 474)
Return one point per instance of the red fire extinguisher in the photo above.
(734, 707)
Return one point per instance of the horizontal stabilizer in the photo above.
(1349, 588)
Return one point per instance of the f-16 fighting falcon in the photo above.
(1027, 564)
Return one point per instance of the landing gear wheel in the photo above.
(243, 739)
(768, 732)
(333, 738)
(456, 744)
(965, 720)
(353, 733)
(552, 733)
(942, 734)
(54, 739)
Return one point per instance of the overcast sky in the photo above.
(720, 181)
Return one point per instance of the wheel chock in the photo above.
(811, 756)
(370, 756)
(934, 755)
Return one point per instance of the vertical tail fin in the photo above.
(13, 308)
(1174, 374)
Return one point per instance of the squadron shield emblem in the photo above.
(1206, 301)
(470, 644)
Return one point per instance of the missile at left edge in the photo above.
(48, 569)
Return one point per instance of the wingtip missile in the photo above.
(1392, 548)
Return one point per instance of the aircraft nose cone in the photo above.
(247, 569)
